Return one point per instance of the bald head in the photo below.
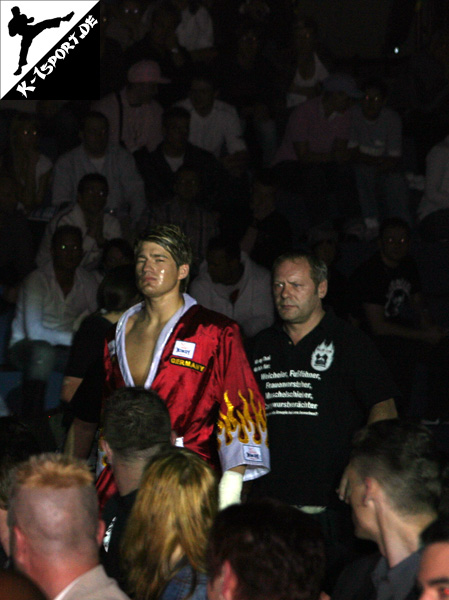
(54, 504)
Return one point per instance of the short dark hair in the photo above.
(89, 178)
(228, 244)
(275, 550)
(66, 230)
(174, 241)
(121, 244)
(404, 458)
(318, 268)
(136, 422)
(437, 532)
(375, 83)
(175, 112)
(394, 223)
(95, 114)
(118, 289)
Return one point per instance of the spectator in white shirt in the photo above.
(215, 125)
(95, 154)
(52, 300)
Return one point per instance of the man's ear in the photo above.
(230, 581)
(18, 546)
(373, 490)
(183, 271)
(107, 450)
(322, 289)
(100, 531)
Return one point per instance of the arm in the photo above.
(81, 435)
(64, 186)
(379, 325)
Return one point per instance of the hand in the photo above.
(432, 334)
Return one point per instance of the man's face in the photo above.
(177, 133)
(67, 251)
(93, 198)
(363, 516)
(433, 576)
(143, 92)
(220, 267)
(187, 185)
(156, 271)
(202, 95)
(95, 136)
(372, 103)
(394, 244)
(296, 296)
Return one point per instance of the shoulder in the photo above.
(355, 580)
(224, 109)
(201, 315)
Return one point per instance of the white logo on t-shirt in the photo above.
(323, 356)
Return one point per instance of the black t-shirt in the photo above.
(115, 515)
(374, 282)
(318, 393)
(87, 345)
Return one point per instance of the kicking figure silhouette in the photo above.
(19, 24)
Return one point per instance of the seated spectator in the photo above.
(161, 45)
(24, 161)
(134, 116)
(17, 444)
(16, 243)
(376, 147)
(323, 242)
(187, 210)
(389, 300)
(265, 550)
(116, 293)
(158, 168)
(95, 154)
(394, 489)
(308, 72)
(268, 234)
(52, 299)
(247, 81)
(112, 58)
(433, 210)
(126, 23)
(87, 214)
(313, 156)
(136, 428)
(433, 574)
(214, 125)
(116, 252)
(232, 284)
(164, 545)
(195, 32)
(56, 531)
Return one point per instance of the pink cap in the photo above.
(146, 71)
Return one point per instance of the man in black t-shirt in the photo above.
(388, 299)
(136, 428)
(322, 380)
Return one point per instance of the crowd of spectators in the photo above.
(287, 170)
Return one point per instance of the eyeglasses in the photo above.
(67, 247)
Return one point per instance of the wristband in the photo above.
(230, 489)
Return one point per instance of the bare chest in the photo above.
(140, 345)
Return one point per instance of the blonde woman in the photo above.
(165, 540)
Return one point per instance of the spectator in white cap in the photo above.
(135, 117)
